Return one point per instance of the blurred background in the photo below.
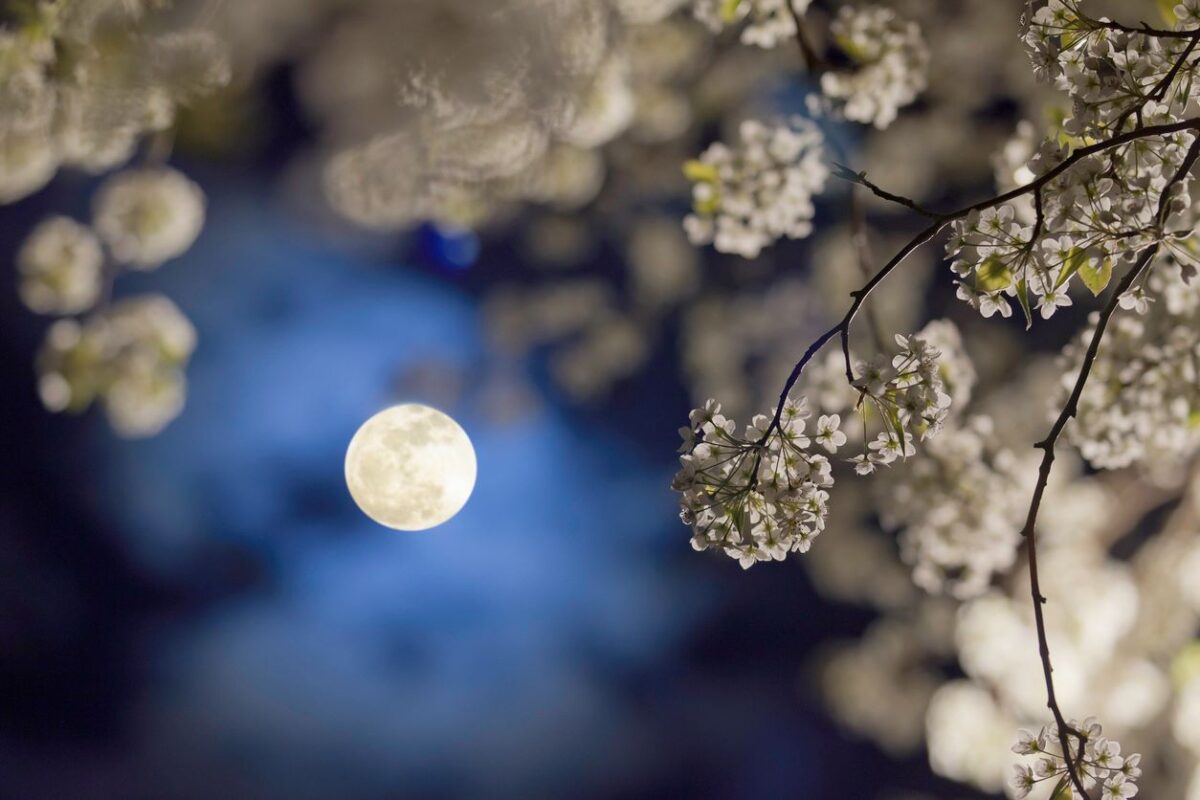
(206, 613)
(386, 201)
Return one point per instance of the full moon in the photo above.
(410, 467)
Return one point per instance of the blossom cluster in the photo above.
(746, 197)
(768, 22)
(65, 101)
(908, 394)
(1115, 78)
(889, 59)
(1102, 211)
(131, 353)
(1142, 401)
(760, 495)
(1101, 762)
(1106, 208)
(958, 505)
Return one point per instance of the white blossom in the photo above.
(767, 22)
(747, 197)
(889, 60)
(61, 265)
(1100, 764)
(131, 356)
(148, 216)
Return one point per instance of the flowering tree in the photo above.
(574, 128)
(1105, 195)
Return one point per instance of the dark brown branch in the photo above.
(813, 61)
(860, 238)
(1143, 28)
(883, 194)
(1029, 531)
(933, 229)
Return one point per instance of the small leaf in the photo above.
(729, 10)
(699, 171)
(1023, 297)
(1096, 278)
(1166, 8)
(993, 275)
(1075, 259)
(1063, 790)
(847, 174)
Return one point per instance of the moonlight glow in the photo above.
(410, 467)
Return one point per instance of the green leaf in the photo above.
(993, 275)
(1096, 278)
(699, 171)
(1075, 259)
(729, 10)
(1063, 790)
(1166, 8)
(1023, 297)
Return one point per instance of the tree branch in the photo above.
(1029, 531)
(842, 328)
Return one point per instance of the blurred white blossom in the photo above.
(148, 216)
(61, 264)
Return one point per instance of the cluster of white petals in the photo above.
(1106, 208)
(889, 58)
(64, 101)
(746, 197)
(759, 495)
(131, 356)
(428, 135)
(766, 22)
(148, 216)
(1101, 762)
(1142, 402)
(1110, 74)
(61, 265)
(958, 505)
(908, 393)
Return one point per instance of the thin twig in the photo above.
(813, 61)
(1029, 531)
(1143, 28)
(883, 194)
(934, 228)
(860, 237)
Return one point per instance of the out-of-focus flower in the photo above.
(148, 216)
(131, 356)
(768, 22)
(61, 265)
(890, 59)
(746, 197)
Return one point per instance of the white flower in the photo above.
(1118, 788)
(61, 265)
(758, 496)
(1022, 781)
(148, 216)
(1029, 743)
(828, 435)
(889, 60)
(131, 356)
(1051, 301)
(769, 21)
(744, 199)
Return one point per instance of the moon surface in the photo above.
(410, 467)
